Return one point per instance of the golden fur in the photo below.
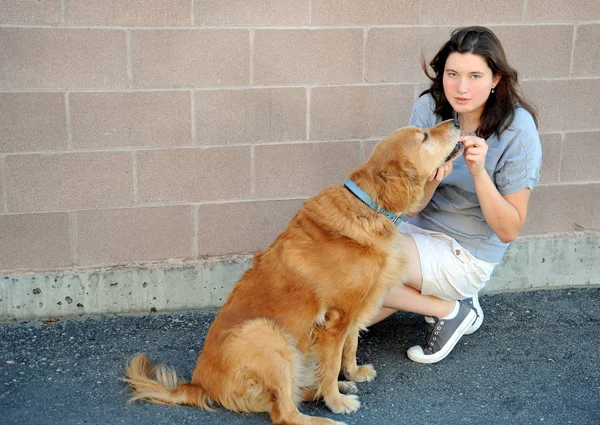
(294, 316)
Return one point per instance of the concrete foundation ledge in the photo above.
(553, 261)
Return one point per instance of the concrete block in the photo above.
(393, 54)
(326, 56)
(127, 119)
(530, 58)
(357, 12)
(34, 242)
(586, 57)
(241, 12)
(226, 117)
(552, 145)
(118, 236)
(68, 181)
(30, 12)
(470, 12)
(559, 10)
(301, 170)
(563, 208)
(580, 157)
(31, 122)
(565, 105)
(128, 12)
(193, 175)
(190, 58)
(359, 112)
(62, 58)
(238, 227)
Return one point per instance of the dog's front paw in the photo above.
(363, 373)
(343, 404)
(347, 387)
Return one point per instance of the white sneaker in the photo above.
(442, 335)
(474, 302)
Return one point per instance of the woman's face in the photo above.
(468, 81)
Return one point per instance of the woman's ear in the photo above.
(496, 80)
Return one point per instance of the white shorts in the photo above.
(449, 271)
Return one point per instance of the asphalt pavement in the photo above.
(535, 360)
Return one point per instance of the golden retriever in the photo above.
(294, 316)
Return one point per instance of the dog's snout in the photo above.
(456, 122)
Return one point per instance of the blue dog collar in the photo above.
(363, 196)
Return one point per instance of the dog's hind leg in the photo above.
(266, 372)
(285, 412)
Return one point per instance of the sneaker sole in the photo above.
(441, 355)
(475, 326)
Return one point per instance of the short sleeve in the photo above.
(422, 112)
(520, 167)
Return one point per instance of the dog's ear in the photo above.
(399, 188)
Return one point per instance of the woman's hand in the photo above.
(475, 152)
(439, 173)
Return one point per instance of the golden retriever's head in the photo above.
(395, 174)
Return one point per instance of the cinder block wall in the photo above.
(135, 131)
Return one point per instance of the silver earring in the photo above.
(493, 90)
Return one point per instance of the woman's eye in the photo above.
(451, 74)
(476, 77)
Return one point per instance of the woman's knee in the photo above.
(415, 274)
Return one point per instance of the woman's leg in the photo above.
(408, 297)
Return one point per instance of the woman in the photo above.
(474, 207)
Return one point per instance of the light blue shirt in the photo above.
(513, 162)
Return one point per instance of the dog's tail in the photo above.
(160, 384)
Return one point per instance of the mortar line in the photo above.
(272, 86)
(193, 13)
(560, 156)
(233, 201)
(68, 121)
(308, 106)
(193, 118)
(491, 25)
(63, 13)
(134, 181)
(364, 54)
(3, 183)
(242, 145)
(573, 44)
(167, 204)
(361, 151)
(252, 172)
(128, 58)
(251, 53)
(134, 178)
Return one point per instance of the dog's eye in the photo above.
(425, 136)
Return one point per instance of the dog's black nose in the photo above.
(456, 123)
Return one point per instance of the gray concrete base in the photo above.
(566, 260)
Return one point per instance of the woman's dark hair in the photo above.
(499, 110)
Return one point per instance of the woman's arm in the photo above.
(433, 181)
(505, 214)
